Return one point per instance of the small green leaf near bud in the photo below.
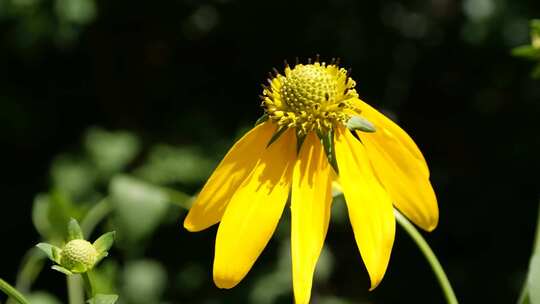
(104, 242)
(47, 249)
(361, 124)
(74, 230)
(61, 269)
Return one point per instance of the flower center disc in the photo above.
(311, 97)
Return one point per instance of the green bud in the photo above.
(78, 256)
(361, 124)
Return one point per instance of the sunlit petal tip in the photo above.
(432, 223)
(226, 282)
(189, 226)
(375, 284)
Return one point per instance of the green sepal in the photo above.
(100, 257)
(276, 135)
(80, 268)
(261, 119)
(327, 140)
(300, 138)
(74, 230)
(50, 250)
(104, 242)
(56, 254)
(361, 124)
(103, 299)
(61, 269)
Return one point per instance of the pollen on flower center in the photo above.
(310, 97)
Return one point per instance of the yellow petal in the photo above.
(392, 132)
(369, 206)
(311, 199)
(402, 177)
(211, 202)
(253, 212)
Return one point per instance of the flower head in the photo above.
(312, 97)
(315, 132)
(78, 255)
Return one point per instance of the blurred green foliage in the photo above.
(532, 51)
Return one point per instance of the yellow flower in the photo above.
(316, 131)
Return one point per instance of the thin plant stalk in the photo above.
(12, 292)
(75, 289)
(524, 295)
(430, 257)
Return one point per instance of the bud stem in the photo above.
(75, 291)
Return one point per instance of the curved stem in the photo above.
(12, 292)
(430, 256)
(95, 215)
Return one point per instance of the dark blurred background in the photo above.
(188, 72)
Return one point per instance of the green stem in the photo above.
(88, 284)
(12, 292)
(524, 295)
(75, 290)
(430, 256)
(95, 215)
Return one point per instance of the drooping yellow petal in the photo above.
(392, 132)
(211, 202)
(402, 177)
(254, 212)
(369, 206)
(311, 198)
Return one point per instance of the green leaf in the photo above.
(533, 279)
(139, 206)
(62, 270)
(104, 242)
(111, 151)
(48, 250)
(144, 281)
(361, 124)
(103, 299)
(74, 230)
(169, 165)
